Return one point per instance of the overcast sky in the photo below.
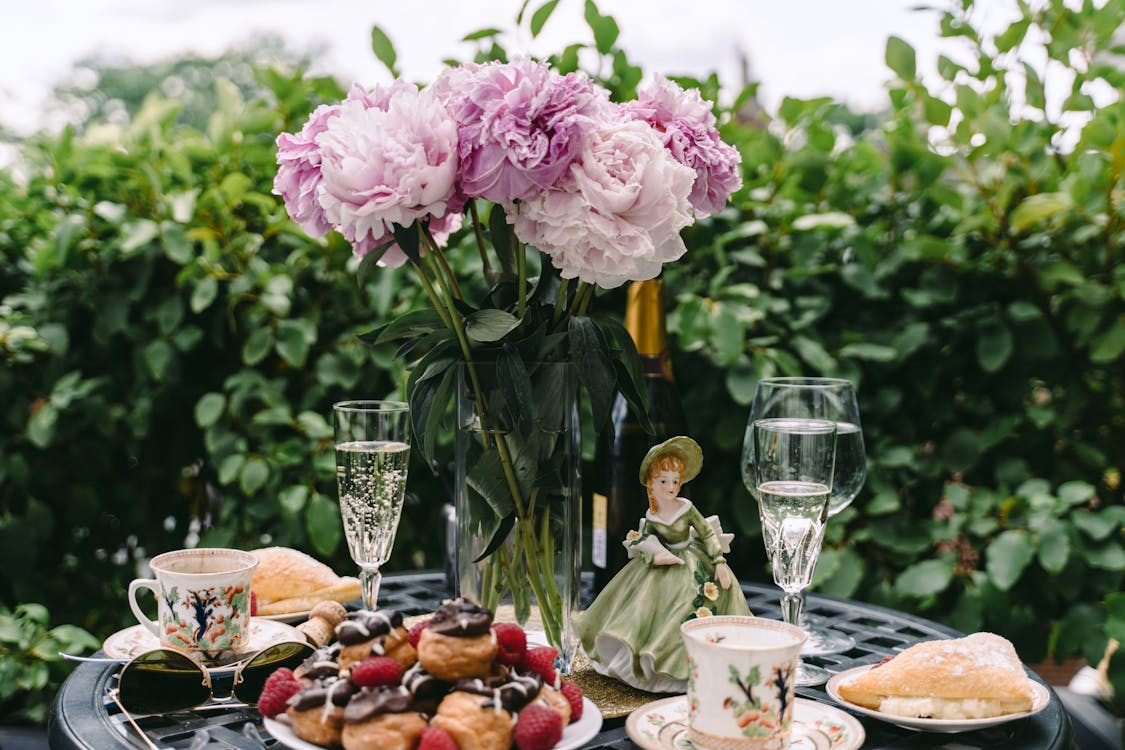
(799, 48)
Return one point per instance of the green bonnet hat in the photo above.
(684, 447)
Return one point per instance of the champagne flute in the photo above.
(372, 457)
(821, 398)
(794, 460)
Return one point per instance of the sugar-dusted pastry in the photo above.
(366, 633)
(287, 581)
(458, 642)
(964, 678)
(316, 713)
(382, 718)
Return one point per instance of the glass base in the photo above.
(822, 641)
(810, 674)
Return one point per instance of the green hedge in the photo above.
(171, 343)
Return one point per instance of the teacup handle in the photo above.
(143, 583)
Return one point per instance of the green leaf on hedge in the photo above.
(1007, 557)
(870, 352)
(384, 49)
(844, 580)
(829, 220)
(1039, 207)
(293, 498)
(489, 325)
(322, 521)
(1053, 546)
(1075, 492)
(1115, 616)
(814, 353)
(158, 356)
(291, 343)
(1106, 556)
(1096, 525)
(204, 293)
(253, 476)
(925, 578)
(540, 16)
(994, 344)
(257, 345)
(1109, 345)
(900, 58)
(962, 449)
(230, 467)
(209, 408)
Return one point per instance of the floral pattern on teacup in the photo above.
(766, 711)
(207, 619)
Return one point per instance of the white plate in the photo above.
(1040, 697)
(293, 618)
(574, 736)
(127, 643)
(662, 725)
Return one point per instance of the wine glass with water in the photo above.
(833, 399)
(793, 478)
(372, 457)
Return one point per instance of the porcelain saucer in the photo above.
(127, 643)
(662, 725)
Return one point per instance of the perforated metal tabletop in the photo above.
(83, 719)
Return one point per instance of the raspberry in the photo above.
(884, 661)
(541, 660)
(415, 633)
(279, 687)
(435, 738)
(511, 643)
(253, 604)
(573, 693)
(538, 728)
(377, 670)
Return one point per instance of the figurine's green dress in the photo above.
(632, 630)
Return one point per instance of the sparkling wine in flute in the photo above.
(372, 481)
(793, 519)
(851, 467)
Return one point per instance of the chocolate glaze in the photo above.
(373, 701)
(461, 618)
(324, 662)
(423, 685)
(516, 690)
(320, 692)
(364, 625)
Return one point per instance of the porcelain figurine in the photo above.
(676, 572)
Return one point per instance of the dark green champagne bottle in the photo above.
(619, 500)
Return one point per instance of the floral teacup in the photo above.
(741, 681)
(202, 599)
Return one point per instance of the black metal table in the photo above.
(83, 719)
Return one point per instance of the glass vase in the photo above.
(518, 484)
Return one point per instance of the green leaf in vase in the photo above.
(412, 325)
(516, 385)
(488, 325)
(487, 477)
(595, 371)
(408, 241)
(499, 529)
(501, 236)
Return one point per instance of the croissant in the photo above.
(288, 581)
(975, 677)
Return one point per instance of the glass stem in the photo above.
(369, 584)
(802, 616)
(791, 605)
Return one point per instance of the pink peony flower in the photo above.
(520, 125)
(618, 216)
(298, 172)
(387, 165)
(688, 128)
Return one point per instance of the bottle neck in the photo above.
(658, 366)
(644, 317)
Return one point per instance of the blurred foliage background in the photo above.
(171, 343)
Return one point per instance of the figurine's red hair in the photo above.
(664, 462)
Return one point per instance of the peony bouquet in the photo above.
(562, 190)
